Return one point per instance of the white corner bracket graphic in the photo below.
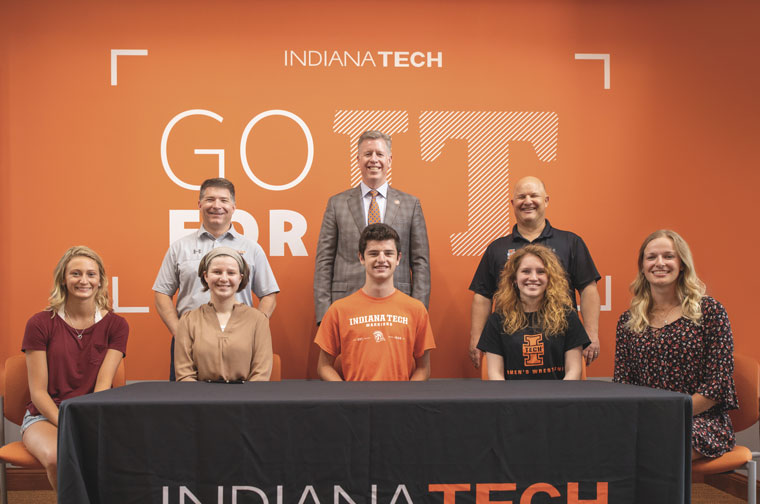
(603, 57)
(115, 53)
(607, 306)
(123, 309)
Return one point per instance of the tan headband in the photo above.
(221, 251)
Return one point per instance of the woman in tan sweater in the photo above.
(223, 340)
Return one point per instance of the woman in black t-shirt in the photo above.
(534, 332)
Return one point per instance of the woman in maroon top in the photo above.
(72, 348)
(674, 337)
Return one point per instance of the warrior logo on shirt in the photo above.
(509, 253)
(533, 350)
(378, 336)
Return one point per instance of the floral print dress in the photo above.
(685, 357)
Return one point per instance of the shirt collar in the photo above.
(98, 315)
(210, 305)
(231, 231)
(383, 189)
(547, 232)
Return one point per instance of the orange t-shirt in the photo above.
(378, 338)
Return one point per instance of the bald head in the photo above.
(529, 202)
(530, 179)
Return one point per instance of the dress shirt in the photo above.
(381, 198)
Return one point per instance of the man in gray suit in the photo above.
(338, 272)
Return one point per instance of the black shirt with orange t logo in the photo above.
(529, 354)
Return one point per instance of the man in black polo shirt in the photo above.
(529, 205)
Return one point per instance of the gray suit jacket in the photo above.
(338, 272)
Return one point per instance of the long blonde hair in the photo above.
(59, 293)
(690, 288)
(552, 311)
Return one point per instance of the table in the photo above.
(309, 442)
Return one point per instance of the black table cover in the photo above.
(309, 442)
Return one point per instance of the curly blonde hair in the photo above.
(59, 293)
(552, 311)
(690, 288)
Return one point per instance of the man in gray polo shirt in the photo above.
(179, 271)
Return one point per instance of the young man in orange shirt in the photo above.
(380, 333)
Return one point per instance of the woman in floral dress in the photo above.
(674, 337)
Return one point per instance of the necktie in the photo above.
(373, 215)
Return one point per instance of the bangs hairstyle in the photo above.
(690, 288)
(378, 232)
(221, 183)
(59, 293)
(375, 135)
(552, 311)
(245, 271)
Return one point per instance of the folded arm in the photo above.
(479, 312)
(325, 368)
(422, 369)
(37, 373)
(108, 369)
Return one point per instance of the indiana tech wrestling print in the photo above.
(533, 350)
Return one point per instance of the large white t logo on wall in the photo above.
(488, 135)
(355, 122)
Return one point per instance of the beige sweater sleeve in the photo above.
(261, 361)
(184, 367)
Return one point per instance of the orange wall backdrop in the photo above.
(496, 93)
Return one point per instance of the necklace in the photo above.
(665, 317)
(71, 324)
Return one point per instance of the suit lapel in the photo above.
(356, 208)
(391, 207)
